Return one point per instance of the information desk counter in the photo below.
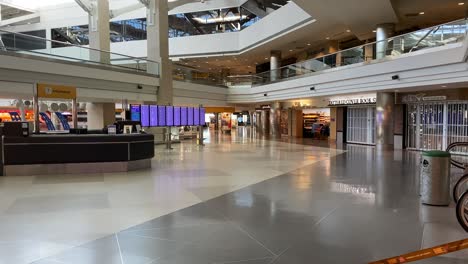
(67, 153)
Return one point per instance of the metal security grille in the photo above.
(457, 123)
(361, 125)
(436, 125)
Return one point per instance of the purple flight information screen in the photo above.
(161, 115)
(183, 116)
(169, 116)
(196, 116)
(145, 117)
(135, 114)
(177, 116)
(153, 109)
(202, 116)
(190, 116)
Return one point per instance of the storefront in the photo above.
(353, 118)
(316, 123)
(435, 119)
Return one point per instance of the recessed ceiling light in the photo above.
(266, 58)
(375, 31)
(461, 3)
(327, 38)
(348, 30)
(290, 50)
(421, 13)
(308, 44)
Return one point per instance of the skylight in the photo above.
(36, 4)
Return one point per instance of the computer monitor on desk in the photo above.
(120, 126)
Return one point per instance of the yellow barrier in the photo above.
(426, 253)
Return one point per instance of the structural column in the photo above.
(275, 65)
(100, 115)
(2, 46)
(99, 31)
(384, 31)
(384, 120)
(158, 48)
(275, 119)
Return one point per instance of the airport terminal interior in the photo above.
(233, 131)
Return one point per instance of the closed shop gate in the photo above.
(360, 125)
(436, 125)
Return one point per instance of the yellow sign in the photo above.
(226, 109)
(55, 91)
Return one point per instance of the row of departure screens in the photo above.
(167, 116)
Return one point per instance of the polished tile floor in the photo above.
(239, 199)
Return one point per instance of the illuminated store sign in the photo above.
(352, 101)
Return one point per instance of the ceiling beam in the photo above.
(127, 9)
(144, 2)
(8, 3)
(18, 19)
(86, 5)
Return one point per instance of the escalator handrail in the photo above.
(455, 163)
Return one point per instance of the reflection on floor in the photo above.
(239, 199)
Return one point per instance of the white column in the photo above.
(158, 48)
(99, 32)
(100, 115)
(49, 37)
(384, 31)
(2, 46)
(275, 64)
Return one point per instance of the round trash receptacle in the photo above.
(435, 177)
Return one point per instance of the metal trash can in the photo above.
(435, 178)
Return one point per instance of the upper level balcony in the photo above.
(424, 57)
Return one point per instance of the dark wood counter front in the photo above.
(74, 149)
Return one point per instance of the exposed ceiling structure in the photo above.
(337, 21)
(340, 21)
(9, 12)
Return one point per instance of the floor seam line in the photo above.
(243, 260)
(327, 215)
(120, 250)
(241, 229)
(251, 237)
(279, 255)
(163, 239)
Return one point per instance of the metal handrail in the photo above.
(368, 44)
(455, 163)
(73, 45)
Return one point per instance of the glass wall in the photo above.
(19, 42)
(120, 31)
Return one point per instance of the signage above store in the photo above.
(352, 101)
(414, 98)
(55, 91)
